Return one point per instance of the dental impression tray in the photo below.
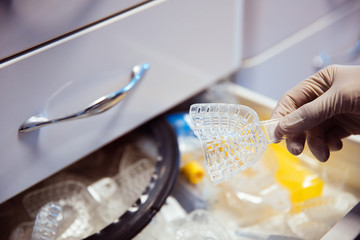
(232, 137)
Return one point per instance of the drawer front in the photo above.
(269, 22)
(185, 56)
(275, 75)
(27, 23)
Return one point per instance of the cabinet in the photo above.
(333, 37)
(269, 22)
(187, 44)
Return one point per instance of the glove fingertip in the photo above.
(319, 148)
(295, 148)
(323, 158)
(295, 143)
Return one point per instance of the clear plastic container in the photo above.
(65, 190)
(71, 200)
(318, 215)
(23, 231)
(200, 225)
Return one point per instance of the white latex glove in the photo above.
(322, 110)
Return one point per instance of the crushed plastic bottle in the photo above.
(47, 223)
(200, 225)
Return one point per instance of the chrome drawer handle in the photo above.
(99, 106)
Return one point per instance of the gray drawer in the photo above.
(27, 23)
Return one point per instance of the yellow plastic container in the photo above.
(300, 181)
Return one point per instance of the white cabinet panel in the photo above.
(187, 44)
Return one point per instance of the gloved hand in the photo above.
(322, 110)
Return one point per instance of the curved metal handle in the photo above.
(99, 106)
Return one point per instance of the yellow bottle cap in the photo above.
(193, 171)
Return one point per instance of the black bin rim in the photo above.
(149, 203)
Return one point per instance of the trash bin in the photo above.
(113, 193)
